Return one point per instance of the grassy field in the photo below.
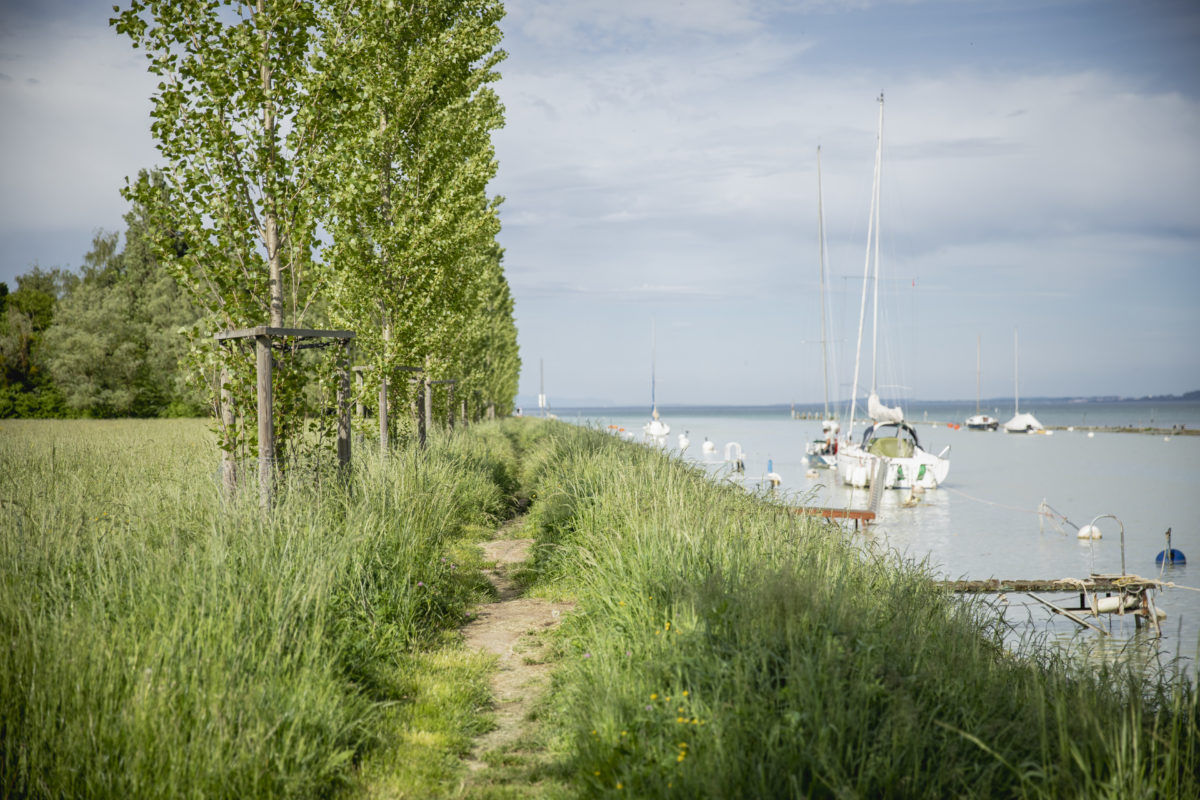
(163, 642)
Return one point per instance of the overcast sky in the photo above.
(1041, 173)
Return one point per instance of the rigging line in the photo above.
(994, 503)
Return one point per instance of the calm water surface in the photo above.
(984, 521)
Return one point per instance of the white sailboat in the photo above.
(823, 452)
(889, 450)
(655, 430)
(1020, 423)
(980, 422)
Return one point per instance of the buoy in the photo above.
(1113, 605)
(684, 441)
(708, 447)
(1091, 434)
(811, 473)
(773, 477)
(1170, 556)
(1089, 532)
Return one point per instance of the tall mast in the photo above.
(862, 308)
(1016, 375)
(542, 385)
(876, 202)
(978, 366)
(653, 358)
(821, 253)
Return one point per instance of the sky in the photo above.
(1041, 177)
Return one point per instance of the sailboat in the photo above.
(823, 452)
(980, 422)
(1020, 423)
(656, 430)
(889, 451)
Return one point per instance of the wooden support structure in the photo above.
(855, 514)
(263, 337)
(1134, 595)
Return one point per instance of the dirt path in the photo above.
(512, 629)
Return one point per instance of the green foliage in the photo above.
(403, 167)
(161, 641)
(367, 121)
(26, 388)
(118, 336)
(724, 647)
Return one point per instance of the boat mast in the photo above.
(876, 202)
(862, 307)
(821, 254)
(978, 367)
(653, 356)
(1016, 376)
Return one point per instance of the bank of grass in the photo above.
(159, 642)
(723, 647)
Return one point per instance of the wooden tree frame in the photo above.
(263, 337)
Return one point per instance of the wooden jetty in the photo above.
(856, 514)
(1133, 595)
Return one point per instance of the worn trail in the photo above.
(511, 629)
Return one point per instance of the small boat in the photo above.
(684, 442)
(708, 447)
(979, 421)
(1020, 423)
(822, 453)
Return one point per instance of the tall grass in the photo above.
(724, 647)
(159, 641)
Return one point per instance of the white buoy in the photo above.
(811, 473)
(708, 447)
(684, 442)
(1089, 532)
(1091, 434)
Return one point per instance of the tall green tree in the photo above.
(117, 340)
(404, 165)
(233, 217)
(26, 387)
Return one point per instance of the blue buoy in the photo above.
(1170, 556)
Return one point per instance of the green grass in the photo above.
(159, 641)
(726, 648)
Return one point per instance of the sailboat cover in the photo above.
(881, 413)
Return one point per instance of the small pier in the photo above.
(858, 515)
(1123, 594)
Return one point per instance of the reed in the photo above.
(162, 642)
(724, 647)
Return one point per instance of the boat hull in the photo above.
(857, 467)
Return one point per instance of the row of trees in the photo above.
(324, 164)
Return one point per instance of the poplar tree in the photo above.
(405, 162)
(233, 216)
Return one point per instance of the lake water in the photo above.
(984, 521)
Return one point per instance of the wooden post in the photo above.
(359, 410)
(343, 408)
(491, 411)
(418, 409)
(266, 423)
(450, 404)
(228, 463)
(383, 416)
(466, 420)
(427, 404)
